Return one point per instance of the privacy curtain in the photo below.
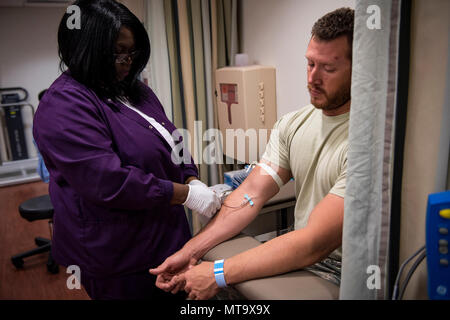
(371, 157)
(191, 39)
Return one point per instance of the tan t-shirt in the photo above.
(313, 147)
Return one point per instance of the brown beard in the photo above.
(334, 102)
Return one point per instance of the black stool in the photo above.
(37, 208)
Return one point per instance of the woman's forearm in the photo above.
(180, 193)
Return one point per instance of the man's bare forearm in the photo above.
(232, 218)
(294, 250)
(226, 224)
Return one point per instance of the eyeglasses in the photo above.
(122, 58)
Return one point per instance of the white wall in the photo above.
(28, 52)
(276, 33)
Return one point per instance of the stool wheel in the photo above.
(41, 241)
(53, 268)
(17, 262)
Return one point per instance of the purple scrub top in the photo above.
(111, 178)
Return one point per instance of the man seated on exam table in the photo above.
(311, 146)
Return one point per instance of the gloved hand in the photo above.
(196, 182)
(201, 199)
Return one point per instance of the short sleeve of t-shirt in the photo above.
(339, 187)
(277, 150)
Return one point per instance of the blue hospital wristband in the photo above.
(218, 273)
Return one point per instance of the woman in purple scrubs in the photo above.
(107, 143)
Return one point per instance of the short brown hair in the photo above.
(334, 24)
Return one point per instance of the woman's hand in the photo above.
(201, 199)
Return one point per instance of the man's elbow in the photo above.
(319, 249)
(260, 185)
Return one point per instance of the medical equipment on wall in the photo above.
(246, 100)
(437, 239)
(13, 144)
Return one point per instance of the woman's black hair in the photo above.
(88, 52)
(41, 94)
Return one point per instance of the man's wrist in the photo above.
(188, 248)
(196, 248)
(219, 274)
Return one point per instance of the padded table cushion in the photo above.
(296, 285)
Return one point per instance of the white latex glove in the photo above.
(201, 199)
(195, 182)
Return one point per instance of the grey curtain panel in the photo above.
(368, 196)
(190, 40)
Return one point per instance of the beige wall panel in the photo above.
(135, 6)
(429, 56)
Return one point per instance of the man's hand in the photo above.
(167, 278)
(226, 224)
(199, 281)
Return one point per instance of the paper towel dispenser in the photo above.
(246, 108)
